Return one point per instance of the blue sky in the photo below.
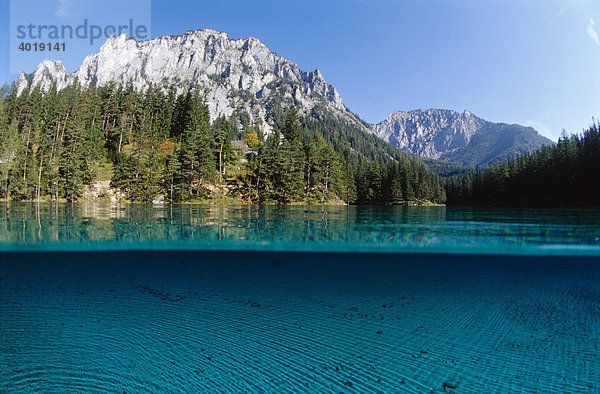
(87, 24)
(529, 62)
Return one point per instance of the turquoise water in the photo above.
(97, 227)
(238, 299)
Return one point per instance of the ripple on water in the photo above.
(326, 323)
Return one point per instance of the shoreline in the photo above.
(216, 201)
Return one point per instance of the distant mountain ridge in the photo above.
(457, 137)
(245, 79)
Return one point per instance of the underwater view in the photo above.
(204, 298)
(299, 196)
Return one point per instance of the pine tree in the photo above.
(310, 150)
(64, 103)
(328, 169)
(128, 109)
(10, 144)
(109, 98)
(289, 176)
(31, 123)
(196, 156)
(181, 115)
(172, 177)
(220, 137)
(291, 131)
(80, 143)
(395, 185)
(5, 141)
(46, 142)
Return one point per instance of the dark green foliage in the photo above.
(280, 170)
(326, 174)
(197, 161)
(563, 175)
(138, 174)
(9, 139)
(445, 169)
(122, 178)
(222, 133)
(59, 145)
(180, 117)
(349, 139)
(403, 182)
(291, 130)
(80, 143)
(298, 168)
(172, 181)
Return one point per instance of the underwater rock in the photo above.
(450, 385)
(158, 294)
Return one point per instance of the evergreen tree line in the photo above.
(56, 145)
(394, 183)
(292, 166)
(567, 174)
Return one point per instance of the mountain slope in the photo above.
(242, 78)
(457, 137)
(237, 75)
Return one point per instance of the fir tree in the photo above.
(196, 156)
(291, 131)
(172, 177)
(54, 143)
(220, 137)
(531, 179)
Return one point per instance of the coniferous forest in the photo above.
(62, 145)
(567, 174)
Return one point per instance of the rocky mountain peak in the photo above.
(460, 137)
(235, 74)
(243, 76)
(428, 132)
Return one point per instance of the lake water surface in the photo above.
(315, 299)
(377, 229)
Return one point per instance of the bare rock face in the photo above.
(244, 76)
(45, 74)
(458, 137)
(428, 133)
(241, 74)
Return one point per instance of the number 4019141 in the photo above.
(42, 46)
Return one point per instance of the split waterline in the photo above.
(104, 227)
(286, 299)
